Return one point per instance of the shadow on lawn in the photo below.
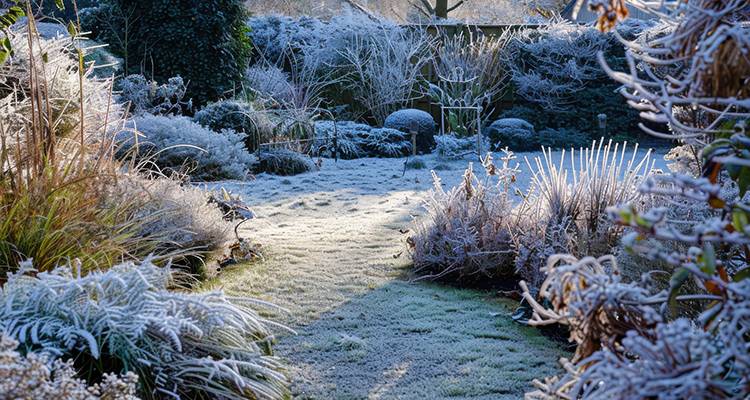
(418, 341)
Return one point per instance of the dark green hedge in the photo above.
(203, 41)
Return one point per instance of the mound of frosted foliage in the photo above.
(236, 116)
(35, 376)
(178, 143)
(203, 41)
(284, 162)
(275, 35)
(465, 235)
(513, 133)
(415, 120)
(182, 217)
(354, 140)
(126, 320)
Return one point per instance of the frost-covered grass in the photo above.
(334, 257)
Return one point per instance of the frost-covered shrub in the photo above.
(355, 140)
(472, 72)
(191, 345)
(560, 84)
(519, 135)
(465, 235)
(513, 133)
(452, 147)
(385, 142)
(178, 143)
(270, 82)
(34, 376)
(626, 346)
(190, 228)
(275, 35)
(239, 117)
(420, 121)
(381, 65)
(556, 61)
(148, 97)
(284, 162)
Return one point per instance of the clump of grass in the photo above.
(565, 210)
(466, 235)
(57, 166)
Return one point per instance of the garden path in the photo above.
(335, 259)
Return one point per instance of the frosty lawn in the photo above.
(334, 260)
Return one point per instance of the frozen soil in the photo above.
(335, 260)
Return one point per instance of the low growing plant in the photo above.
(177, 144)
(187, 345)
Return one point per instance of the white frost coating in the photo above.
(359, 140)
(552, 64)
(179, 140)
(192, 344)
(515, 123)
(406, 120)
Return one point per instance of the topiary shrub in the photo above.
(411, 119)
(203, 41)
(284, 162)
(236, 116)
(514, 133)
(177, 144)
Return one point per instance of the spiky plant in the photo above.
(181, 345)
(566, 205)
